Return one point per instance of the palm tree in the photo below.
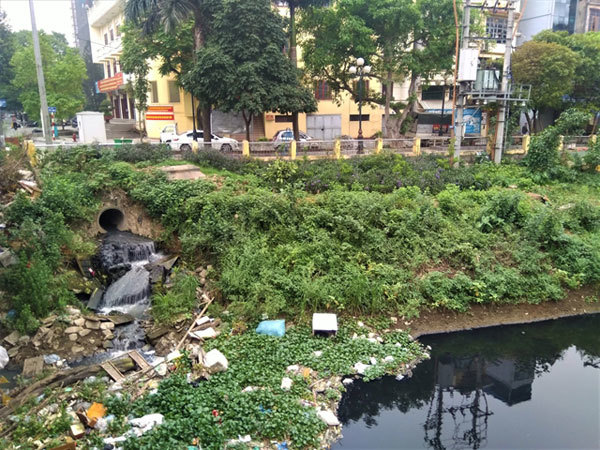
(150, 15)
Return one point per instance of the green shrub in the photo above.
(178, 299)
(142, 152)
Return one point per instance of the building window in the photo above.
(432, 93)
(108, 75)
(594, 24)
(105, 39)
(112, 35)
(118, 29)
(322, 91)
(365, 86)
(154, 91)
(495, 27)
(115, 71)
(384, 89)
(281, 119)
(355, 117)
(173, 92)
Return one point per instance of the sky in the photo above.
(50, 15)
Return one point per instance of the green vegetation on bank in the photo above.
(372, 235)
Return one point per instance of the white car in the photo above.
(184, 141)
(168, 133)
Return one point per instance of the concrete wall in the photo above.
(538, 16)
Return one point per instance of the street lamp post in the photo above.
(361, 70)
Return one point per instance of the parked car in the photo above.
(167, 133)
(74, 122)
(282, 140)
(288, 135)
(184, 141)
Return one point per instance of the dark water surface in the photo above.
(516, 387)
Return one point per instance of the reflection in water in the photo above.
(477, 391)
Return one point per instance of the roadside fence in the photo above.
(346, 148)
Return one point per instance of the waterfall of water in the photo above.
(129, 294)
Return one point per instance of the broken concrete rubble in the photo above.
(286, 383)
(215, 361)
(147, 422)
(3, 357)
(329, 418)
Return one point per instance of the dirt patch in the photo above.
(481, 316)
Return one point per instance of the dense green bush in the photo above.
(376, 234)
(179, 299)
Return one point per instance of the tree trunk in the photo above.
(595, 125)
(198, 43)
(294, 58)
(247, 120)
(388, 99)
(412, 93)
(529, 122)
(206, 125)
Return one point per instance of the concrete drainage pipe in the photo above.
(111, 219)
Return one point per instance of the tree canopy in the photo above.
(400, 39)
(550, 70)
(586, 82)
(7, 49)
(64, 72)
(242, 67)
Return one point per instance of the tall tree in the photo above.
(242, 67)
(550, 70)
(64, 71)
(586, 89)
(401, 39)
(170, 15)
(7, 49)
(293, 6)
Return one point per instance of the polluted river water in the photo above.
(517, 387)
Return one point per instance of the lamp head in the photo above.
(352, 70)
(367, 69)
(360, 62)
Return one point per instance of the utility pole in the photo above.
(40, 76)
(459, 125)
(502, 116)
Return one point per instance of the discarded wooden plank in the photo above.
(139, 359)
(112, 371)
(214, 324)
(67, 446)
(185, 336)
(12, 338)
(156, 332)
(33, 366)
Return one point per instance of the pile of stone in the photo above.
(70, 336)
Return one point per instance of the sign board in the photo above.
(150, 116)
(472, 119)
(160, 109)
(111, 84)
(467, 64)
(52, 109)
(2, 103)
